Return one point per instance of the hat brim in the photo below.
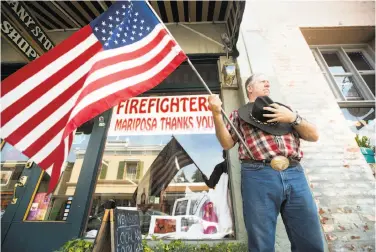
(278, 129)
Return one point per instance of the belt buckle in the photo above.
(280, 163)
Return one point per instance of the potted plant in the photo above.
(366, 148)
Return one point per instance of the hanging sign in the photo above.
(19, 12)
(14, 37)
(162, 115)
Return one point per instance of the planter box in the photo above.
(368, 154)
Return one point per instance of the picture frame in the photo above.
(5, 177)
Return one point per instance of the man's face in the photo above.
(260, 86)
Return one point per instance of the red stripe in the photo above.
(38, 118)
(56, 168)
(131, 55)
(107, 80)
(110, 101)
(36, 146)
(37, 65)
(48, 84)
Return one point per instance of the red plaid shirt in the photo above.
(264, 146)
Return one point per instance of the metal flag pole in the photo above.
(204, 84)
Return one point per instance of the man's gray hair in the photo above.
(250, 80)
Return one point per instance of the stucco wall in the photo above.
(341, 180)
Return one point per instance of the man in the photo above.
(272, 179)
(217, 172)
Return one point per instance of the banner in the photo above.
(162, 115)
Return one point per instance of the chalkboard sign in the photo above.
(119, 232)
(128, 236)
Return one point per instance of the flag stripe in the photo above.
(30, 69)
(117, 64)
(30, 83)
(129, 71)
(46, 85)
(120, 85)
(45, 99)
(45, 138)
(45, 117)
(136, 53)
(101, 105)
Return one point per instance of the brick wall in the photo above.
(342, 182)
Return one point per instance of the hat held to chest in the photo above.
(253, 113)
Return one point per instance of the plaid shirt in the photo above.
(264, 146)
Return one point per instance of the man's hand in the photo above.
(215, 104)
(281, 114)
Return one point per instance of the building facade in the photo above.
(321, 65)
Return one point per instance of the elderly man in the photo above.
(272, 179)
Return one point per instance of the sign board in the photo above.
(14, 37)
(162, 115)
(19, 12)
(119, 232)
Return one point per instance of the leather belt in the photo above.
(278, 163)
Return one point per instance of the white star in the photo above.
(123, 14)
(109, 38)
(134, 27)
(106, 44)
(104, 23)
(125, 34)
(123, 40)
(135, 20)
(136, 14)
(123, 6)
(118, 35)
(117, 20)
(111, 32)
(127, 28)
(103, 38)
(110, 25)
(116, 42)
(133, 32)
(96, 29)
(122, 22)
(142, 21)
(110, 17)
(147, 28)
(120, 29)
(117, 12)
(103, 31)
(141, 28)
(132, 38)
(140, 34)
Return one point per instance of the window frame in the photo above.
(359, 82)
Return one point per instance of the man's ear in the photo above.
(249, 89)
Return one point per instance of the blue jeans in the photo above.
(266, 193)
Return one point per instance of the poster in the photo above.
(39, 207)
(188, 114)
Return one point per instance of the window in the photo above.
(157, 149)
(350, 71)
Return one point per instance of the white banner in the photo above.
(162, 115)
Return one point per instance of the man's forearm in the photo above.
(307, 131)
(222, 133)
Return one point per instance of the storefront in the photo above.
(124, 154)
(121, 154)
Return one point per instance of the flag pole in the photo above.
(204, 84)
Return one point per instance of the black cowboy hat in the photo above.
(253, 113)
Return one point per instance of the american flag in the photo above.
(121, 54)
